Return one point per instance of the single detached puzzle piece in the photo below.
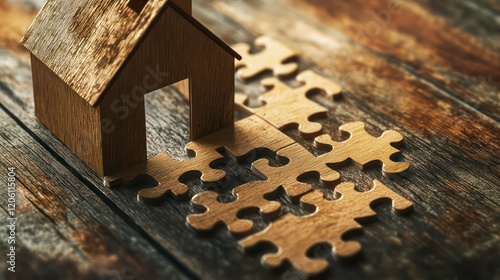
(364, 149)
(286, 107)
(166, 171)
(272, 57)
(240, 139)
(252, 195)
(294, 235)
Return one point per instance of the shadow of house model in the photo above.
(94, 60)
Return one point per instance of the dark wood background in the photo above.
(429, 69)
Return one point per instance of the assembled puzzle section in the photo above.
(286, 107)
(239, 140)
(252, 195)
(364, 149)
(295, 235)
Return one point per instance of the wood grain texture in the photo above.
(286, 107)
(112, 136)
(452, 146)
(67, 115)
(63, 229)
(451, 45)
(239, 140)
(89, 44)
(183, 87)
(186, 5)
(158, 63)
(273, 57)
(335, 218)
(364, 149)
(147, 218)
(299, 164)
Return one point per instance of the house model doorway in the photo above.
(86, 78)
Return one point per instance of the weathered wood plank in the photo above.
(395, 99)
(478, 18)
(434, 43)
(453, 150)
(64, 230)
(429, 40)
(166, 224)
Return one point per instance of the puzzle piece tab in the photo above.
(252, 195)
(248, 196)
(286, 107)
(294, 235)
(166, 171)
(272, 57)
(364, 149)
(239, 139)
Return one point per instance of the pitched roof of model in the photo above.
(85, 43)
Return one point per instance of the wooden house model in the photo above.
(94, 60)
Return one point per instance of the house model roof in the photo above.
(86, 42)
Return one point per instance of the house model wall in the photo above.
(93, 61)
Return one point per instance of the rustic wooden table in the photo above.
(429, 69)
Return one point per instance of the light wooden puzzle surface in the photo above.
(440, 92)
(273, 57)
(282, 107)
(364, 149)
(285, 107)
(239, 139)
(295, 235)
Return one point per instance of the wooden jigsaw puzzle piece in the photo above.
(272, 57)
(301, 164)
(239, 139)
(252, 195)
(166, 171)
(286, 107)
(364, 149)
(294, 236)
(248, 196)
(242, 139)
